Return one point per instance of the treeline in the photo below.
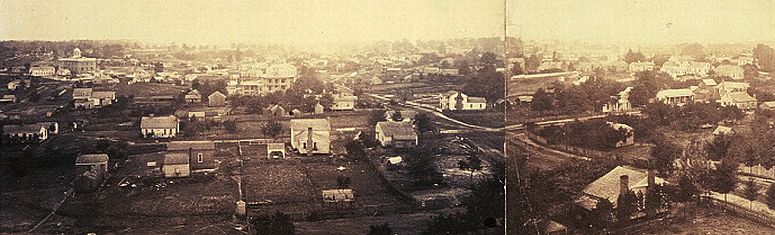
(593, 134)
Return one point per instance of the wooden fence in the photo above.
(569, 148)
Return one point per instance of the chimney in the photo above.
(624, 184)
(309, 142)
(151, 115)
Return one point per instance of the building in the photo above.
(741, 100)
(723, 130)
(18, 83)
(459, 101)
(204, 115)
(176, 165)
(726, 87)
(77, 64)
(319, 108)
(25, 132)
(396, 134)
(201, 154)
(675, 96)
(732, 71)
(619, 103)
(635, 67)
(88, 98)
(8, 99)
(338, 195)
(216, 99)
(42, 71)
(51, 127)
(276, 111)
(311, 136)
(769, 105)
(90, 171)
(622, 179)
(278, 78)
(344, 102)
(193, 96)
(159, 127)
(275, 150)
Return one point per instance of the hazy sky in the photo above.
(644, 21)
(186, 21)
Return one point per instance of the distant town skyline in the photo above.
(267, 21)
(633, 23)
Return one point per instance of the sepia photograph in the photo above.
(252, 117)
(640, 117)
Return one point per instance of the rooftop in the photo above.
(399, 130)
(90, 159)
(317, 124)
(164, 122)
(175, 158)
(186, 145)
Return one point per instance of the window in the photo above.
(305, 145)
(199, 158)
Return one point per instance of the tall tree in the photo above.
(277, 223)
(725, 177)
(663, 155)
(751, 191)
(380, 229)
(770, 197)
(542, 101)
(272, 129)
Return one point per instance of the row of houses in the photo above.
(88, 98)
(725, 94)
(30, 132)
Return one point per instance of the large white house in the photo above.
(675, 96)
(159, 127)
(459, 101)
(344, 102)
(311, 136)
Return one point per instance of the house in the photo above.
(201, 154)
(276, 111)
(159, 127)
(555, 228)
(25, 132)
(732, 71)
(18, 83)
(675, 96)
(641, 66)
(723, 130)
(375, 81)
(630, 140)
(769, 105)
(216, 99)
(176, 165)
(42, 71)
(311, 136)
(408, 115)
(193, 96)
(344, 102)
(621, 179)
(726, 87)
(338, 195)
(396, 134)
(91, 170)
(741, 100)
(206, 115)
(319, 108)
(620, 103)
(88, 98)
(275, 150)
(8, 99)
(51, 127)
(450, 72)
(459, 101)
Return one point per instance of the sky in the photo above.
(280, 21)
(643, 22)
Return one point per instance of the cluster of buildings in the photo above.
(262, 80)
(88, 98)
(458, 101)
(725, 93)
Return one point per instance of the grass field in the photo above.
(719, 223)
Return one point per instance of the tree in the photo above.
(626, 207)
(472, 163)
(422, 168)
(343, 181)
(663, 154)
(448, 224)
(765, 57)
(376, 116)
(230, 126)
(396, 116)
(725, 177)
(631, 56)
(277, 223)
(770, 199)
(719, 147)
(382, 229)
(602, 214)
(272, 129)
(751, 191)
(542, 101)
(423, 124)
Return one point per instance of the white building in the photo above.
(42, 71)
(396, 134)
(78, 64)
(459, 101)
(159, 127)
(675, 96)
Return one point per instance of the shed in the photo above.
(275, 150)
(216, 99)
(338, 195)
(176, 165)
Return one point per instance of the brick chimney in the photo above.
(309, 142)
(624, 184)
(651, 178)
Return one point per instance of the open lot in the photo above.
(718, 223)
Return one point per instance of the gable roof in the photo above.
(398, 130)
(674, 93)
(175, 158)
(216, 93)
(82, 92)
(317, 124)
(723, 130)
(709, 82)
(186, 145)
(345, 98)
(472, 99)
(738, 97)
(608, 185)
(103, 94)
(164, 122)
(27, 128)
(193, 92)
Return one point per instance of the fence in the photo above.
(745, 212)
(568, 148)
